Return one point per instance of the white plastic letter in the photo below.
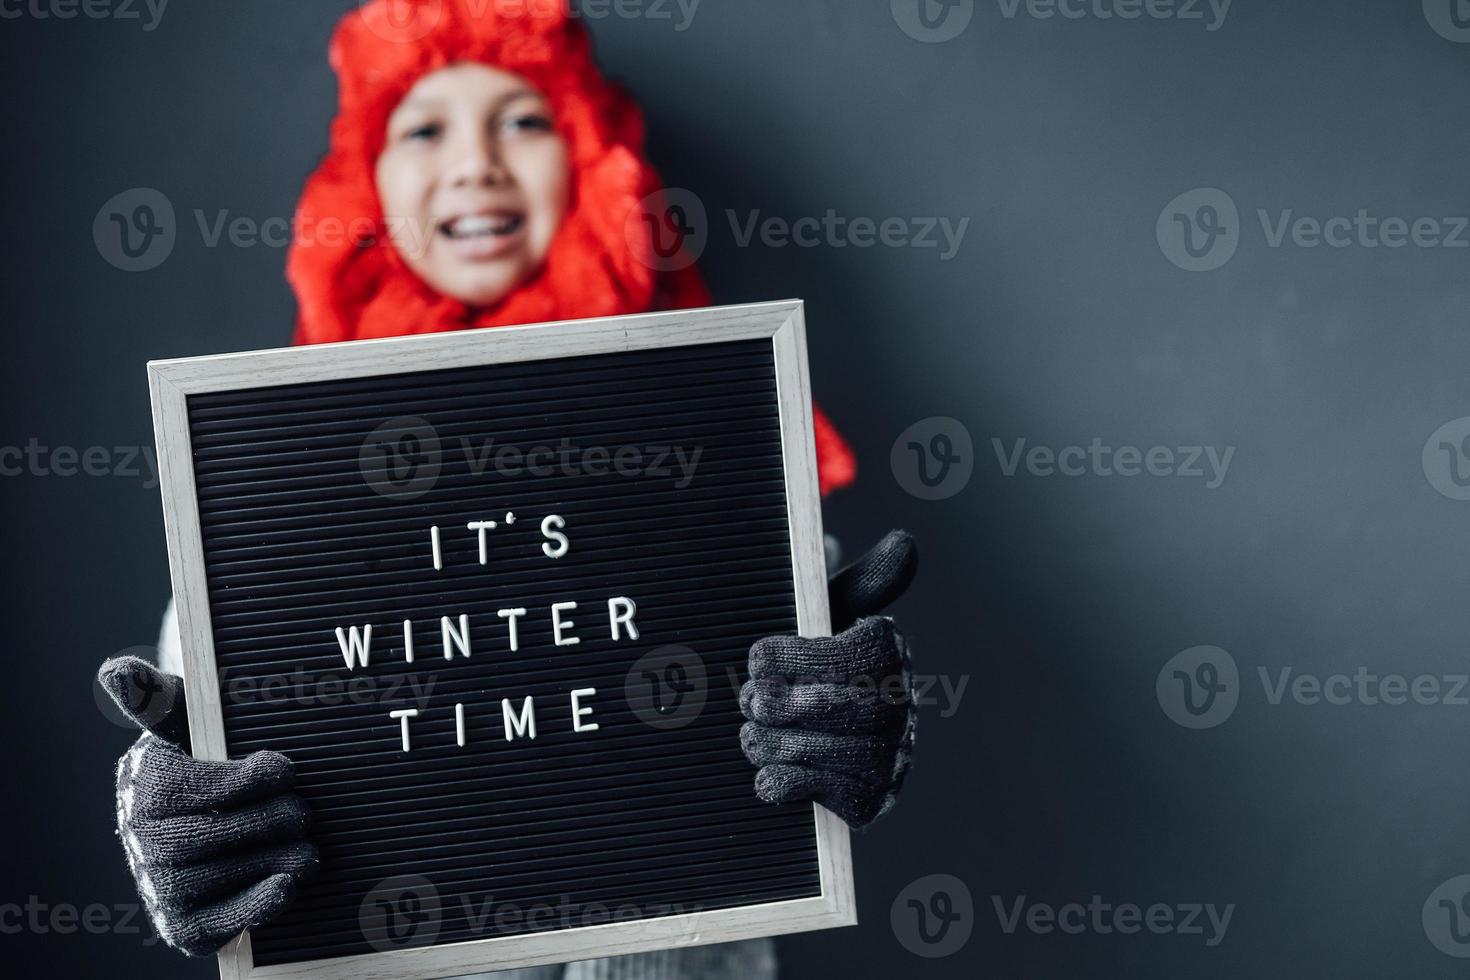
(403, 714)
(455, 638)
(578, 711)
(355, 643)
(511, 615)
(481, 527)
(620, 609)
(524, 724)
(558, 624)
(562, 542)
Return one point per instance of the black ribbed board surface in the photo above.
(297, 542)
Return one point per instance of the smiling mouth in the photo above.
(472, 227)
(489, 236)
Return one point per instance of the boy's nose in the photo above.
(478, 164)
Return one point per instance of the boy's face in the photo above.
(473, 181)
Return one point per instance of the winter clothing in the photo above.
(217, 848)
(832, 718)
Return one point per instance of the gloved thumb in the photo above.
(869, 584)
(152, 699)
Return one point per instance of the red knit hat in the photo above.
(352, 284)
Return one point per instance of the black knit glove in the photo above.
(215, 847)
(832, 718)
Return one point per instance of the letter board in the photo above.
(564, 538)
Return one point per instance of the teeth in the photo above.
(478, 225)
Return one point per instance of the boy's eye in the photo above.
(529, 121)
(427, 131)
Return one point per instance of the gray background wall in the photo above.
(1061, 318)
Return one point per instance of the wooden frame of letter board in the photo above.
(172, 381)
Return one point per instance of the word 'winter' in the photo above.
(356, 642)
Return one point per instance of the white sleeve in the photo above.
(170, 649)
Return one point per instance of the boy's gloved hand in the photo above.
(832, 718)
(215, 847)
